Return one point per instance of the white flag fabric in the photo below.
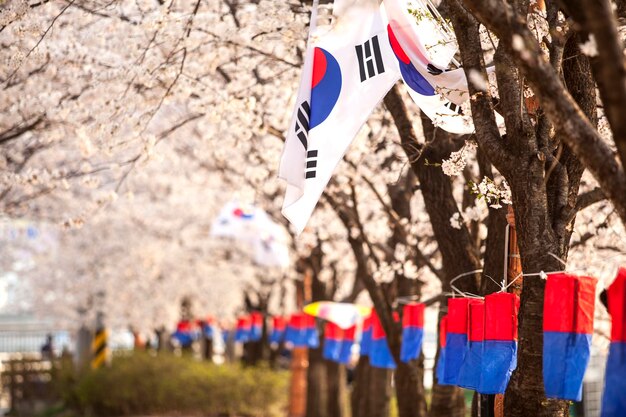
(424, 49)
(239, 221)
(347, 72)
(271, 248)
(255, 231)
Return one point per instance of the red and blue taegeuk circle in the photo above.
(410, 74)
(325, 86)
(243, 214)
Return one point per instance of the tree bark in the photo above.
(317, 393)
(337, 392)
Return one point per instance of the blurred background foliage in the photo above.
(140, 384)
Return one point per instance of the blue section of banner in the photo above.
(469, 374)
(441, 366)
(411, 343)
(456, 348)
(277, 336)
(255, 333)
(242, 336)
(380, 355)
(296, 337)
(332, 349)
(366, 342)
(614, 396)
(346, 351)
(184, 338)
(208, 331)
(312, 338)
(499, 362)
(565, 359)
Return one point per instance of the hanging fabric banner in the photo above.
(412, 331)
(614, 396)
(206, 326)
(568, 310)
(441, 362)
(256, 326)
(456, 339)
(186, 333)
(242, 332)
(278, 330)
(346, 345)
(344, 315)
(469, 375)
(380, 355)
(366, 336)
(295, 333)
(302, 331)
(500, 346)
(333, 339)
(312, 334)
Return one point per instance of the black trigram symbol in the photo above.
(370, 59)
(311, 164)
(454, 107)
(302, 123)
(433, 69)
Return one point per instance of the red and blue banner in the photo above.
(380, 355)
(500, 346)
(242, 332)
(412, 331)
(469, 375)
(186, 333)
(279, 324)
(366, 336)
(206, 327)
(456, 339)
(614, 396)
(302, 331)
(346, 345)
(441, 361)
(568, 309)
(333, 339)
(256, 326)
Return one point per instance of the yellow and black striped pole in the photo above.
(99, 348)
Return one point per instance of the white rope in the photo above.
(464, 274)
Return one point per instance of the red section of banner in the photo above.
(457, 315)
(256, 318)
(297, 321)
(569, 303)
(477, 321)
(413, 315)
(443, 331)
(309, 321)
(617, 302)
(377, 328)
(279, 323)
(333, 332)
(244, 322)
(501, 316)
(348, 334)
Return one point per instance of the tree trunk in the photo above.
(316, 393)
(409, 382)
(337, 393)
(379, 393)
(358, 398)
